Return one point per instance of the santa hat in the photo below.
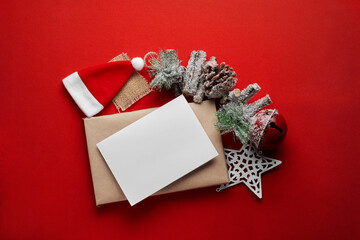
(94, 87)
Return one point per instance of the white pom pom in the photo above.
(138, 63)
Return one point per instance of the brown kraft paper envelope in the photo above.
(107, 189)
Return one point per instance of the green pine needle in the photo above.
(231, 119)
(166, 69)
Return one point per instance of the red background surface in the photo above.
(305, 54)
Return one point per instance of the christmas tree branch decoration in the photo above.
(231, 118)
(236, 116)
(193, 72)
(218, 79)
(200, 93)
(165, 68)
(253, 108)
(245, 95)
(179, 84)
(242, 97)
(200, 79)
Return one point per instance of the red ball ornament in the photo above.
(268, 129)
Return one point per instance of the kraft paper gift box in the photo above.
(107, 189)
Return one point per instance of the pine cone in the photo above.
(218, 79)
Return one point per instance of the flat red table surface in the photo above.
(305, 54)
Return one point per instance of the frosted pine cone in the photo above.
(218, 80)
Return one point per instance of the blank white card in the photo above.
(156, 150)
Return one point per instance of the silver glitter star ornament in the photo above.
(246, 166)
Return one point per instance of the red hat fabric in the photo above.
(94, 87)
